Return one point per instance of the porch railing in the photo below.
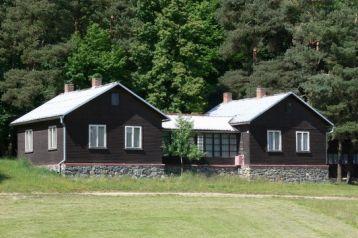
(344, 159)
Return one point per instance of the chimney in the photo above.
(260, 92)
(96, 81)
(227, 97)
(69, 87)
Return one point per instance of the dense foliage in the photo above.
(181, 54)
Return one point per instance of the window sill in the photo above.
(29, 152)
(53, 149)
(133, 148)
(97, 148)
(303, 152)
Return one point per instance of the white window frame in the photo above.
(140, 138)
(301, 142)
(279, 144)
(52, 138)
(97, 140)
(29, 141)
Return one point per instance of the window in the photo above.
(274, 141)
(29, 143)
(233, 145)
(200, 142)
(225, 145)
(52, 138)
(208, 145)
(97, 137)
(115, 99)
(302, 141)
(217, 145)
(133, 137)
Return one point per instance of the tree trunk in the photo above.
(182, 165)
(339, 173)
(349, 177)
(339, 163)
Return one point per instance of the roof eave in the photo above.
(34, 121)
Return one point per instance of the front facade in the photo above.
(274, 135)
(280, 137)
(104, 124)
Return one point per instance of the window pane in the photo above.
(136, 137)
(233, 139)
(276, 140)
(129, 137)
(101, 136)
(209, 145)
(225, 148)
(270, 141)
(115, 99)
(305, 141)
(54, 145)
(225, 154)
(93, 136)
(216, 145)
(224, 139)
(299, 141)
(200, 142)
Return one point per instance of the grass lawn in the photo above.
(19, 176)
(172, 216)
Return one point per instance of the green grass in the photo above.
(69, 215)
(19, 176)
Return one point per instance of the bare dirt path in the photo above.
(191, 194)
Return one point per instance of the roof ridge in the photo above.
(201, 115)
(86, 89)
(243, 99)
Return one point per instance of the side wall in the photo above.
(131, 112)
(40, 155)
(289, 116)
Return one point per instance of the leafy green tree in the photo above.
(176, 53)
(95, 53)
(181, 142)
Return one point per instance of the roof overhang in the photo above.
(165, 117)
(34, 121)
(289, 94)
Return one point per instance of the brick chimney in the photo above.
(260, 92)
(69, 87)
(96, 81)
(227, 97)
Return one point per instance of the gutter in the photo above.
(64, 144)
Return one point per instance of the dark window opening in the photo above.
(115, 99)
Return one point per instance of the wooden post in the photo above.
(339, 163)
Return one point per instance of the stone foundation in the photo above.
(143, 171)
(286, 173)
(136, 171)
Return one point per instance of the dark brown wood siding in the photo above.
(130, 112)
(289, 116)
(40, 155)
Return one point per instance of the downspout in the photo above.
(64, 143)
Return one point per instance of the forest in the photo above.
(180, 55)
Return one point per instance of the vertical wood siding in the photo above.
(129, 112)
(40, 155)
(289, 116)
